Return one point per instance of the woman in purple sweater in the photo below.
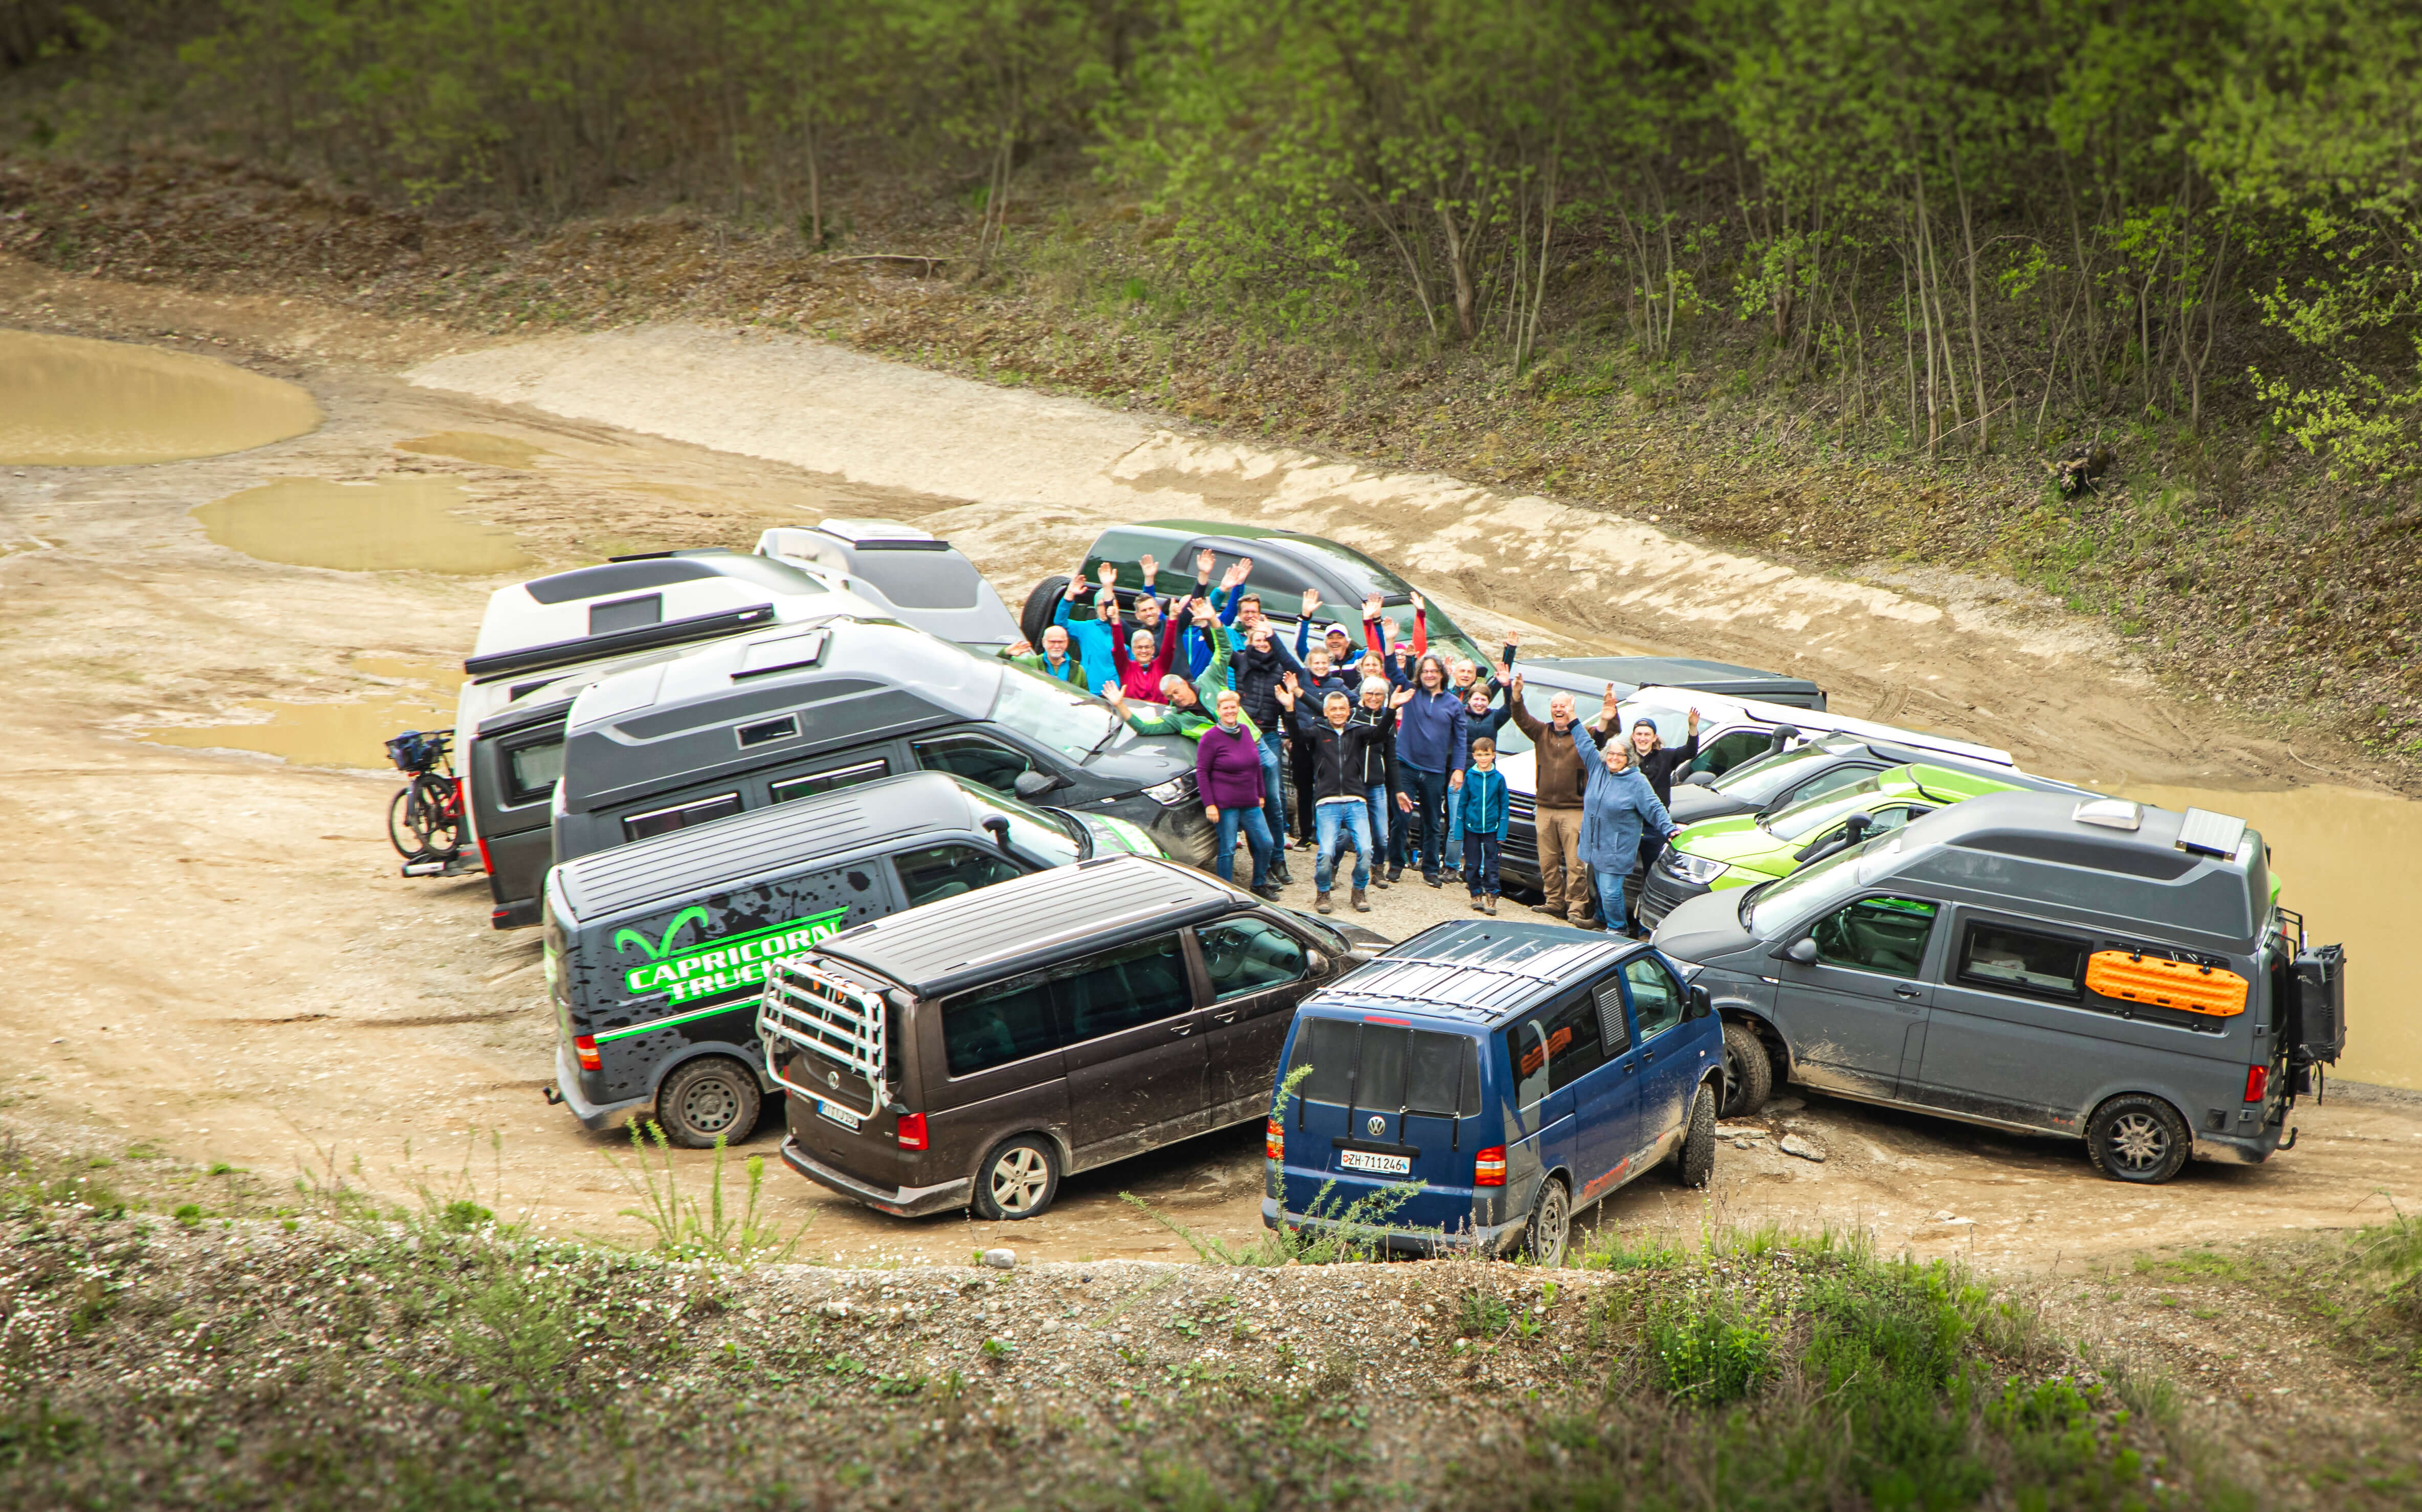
(1227, 772)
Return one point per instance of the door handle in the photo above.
(1631, 1066)
(1229, 1016)
(1185, 1029)
(1909, 993)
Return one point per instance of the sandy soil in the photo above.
(213, 954)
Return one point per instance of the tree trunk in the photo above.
(1976, 334)
(1456, 250)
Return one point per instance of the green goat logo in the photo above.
(625, 939)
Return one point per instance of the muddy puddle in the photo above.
(384, 524)
(415, 694)
(70, 402)
(476, 447)
(2350, 862)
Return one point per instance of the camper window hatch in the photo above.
(2203, 833)
(766, 731)
(780, 654)
(617, 614)
(2111, 812)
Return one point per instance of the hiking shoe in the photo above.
(1431, 877)
(1267, 891)
(1362, 903)
(1552, 910)
(1320, 904)
(1379, 878)
(1281, 876)
(1394, 872)
(1476, 903)
(1492, 905)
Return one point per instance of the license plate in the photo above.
(1378, 1164)
(840, 1115)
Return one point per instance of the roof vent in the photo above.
(2203, 833)
(2111, 812)
(882, 534)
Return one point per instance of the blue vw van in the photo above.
(1518, 1072)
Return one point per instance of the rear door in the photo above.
(1860, 1011)
(1383, 1104)
(1255, 973)
(1136, 1062)
(1669, 1064)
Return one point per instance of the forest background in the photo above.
(2123, 300)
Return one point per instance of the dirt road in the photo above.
(213, 954)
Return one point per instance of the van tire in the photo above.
(1550, 1226)
(1749, 1074)
(1018, 1180)
(2136, 1137)
(1694, 1163)
(712, 1097)
(1041, 604)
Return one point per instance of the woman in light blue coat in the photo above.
(1616, 807)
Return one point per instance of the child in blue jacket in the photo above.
(1483, 807)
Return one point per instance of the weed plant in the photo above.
(685, 1229)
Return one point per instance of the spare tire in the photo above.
(1041, 605)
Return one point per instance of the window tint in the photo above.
(626, 613)
(2005, 959)
(1379, 1074)
(947, 871)
(1564, 1043)
(1248, 954)
(1120, 988)
(1380, 1066)
(1525, 1059)
(1613, 1028)
(830, 782)
(531, 770)
(1726, 752)
(665, 820)
(1885, 935)
(1328, 1046)
(998, 1024)
(1831, 782)
(986, 763)
(1280, 583)
(1893, 819)
(1442, 1075)
(1656, 997)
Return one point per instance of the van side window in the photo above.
(2002, 959)
(1556, 1045)
(830, 782)
(665, 820)
(531, 770)
(1249, 956)
(1613, 1028)
(1655, 999)
(1884, 935)
(986, 763)
(1136, 984)
(1726, 752)
(947, 871)
(998, 1025)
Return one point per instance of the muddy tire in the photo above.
(1694, 1163)
(1550, 1224)
(399, 831)
(712, 1096)
(1749, 1075)
(2138, 1138)
(1018, 1180)
(1041, 605)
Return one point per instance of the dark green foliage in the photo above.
(1708, 1353)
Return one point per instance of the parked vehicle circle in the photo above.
(1018, 1179)
(709, 1096)
(1551, 1223)
(1749, 1075)
(1694, 1162)
(2138, 1138)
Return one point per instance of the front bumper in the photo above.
(592, 1116)
(1661, 894)
(899, 1202)
(1497, 1238)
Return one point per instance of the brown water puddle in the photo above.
(387, 524)
(339, 735)
(69, 402)
(476, 447)
(2350, 862)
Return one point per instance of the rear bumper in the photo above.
(1662, 895)
(2231, 1149)
(899, 1202)
(592, 1116)
(1497, 1238)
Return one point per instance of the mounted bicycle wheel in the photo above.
(400, 831)
(435, 816)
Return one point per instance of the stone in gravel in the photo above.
(1739, 1132)
(1807, 1150)
(1001, 1259)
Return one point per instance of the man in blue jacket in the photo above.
(1433, 745)
(1617, 806)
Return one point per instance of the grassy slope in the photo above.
(2241, 573)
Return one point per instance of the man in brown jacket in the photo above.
(1558, 814)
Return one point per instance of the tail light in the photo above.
(1488, 1167)
(584, 1047)
(486, 862)
(1274, 1141)
(912, 1131)
(2257, 1081)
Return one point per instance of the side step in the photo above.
(458, 865)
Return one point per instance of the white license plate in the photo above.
(840, 1115)
(1378, 1164)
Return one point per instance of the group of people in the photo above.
(1390, 748)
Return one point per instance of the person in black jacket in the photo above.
(1382, 780)
(1316, 678)
(1341, 750)
(1659, 765)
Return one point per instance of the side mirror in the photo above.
(1032, 786)
(1801, 951)
(1780, 737)
(999, 828)
(1700, 1003)
(1700, 779)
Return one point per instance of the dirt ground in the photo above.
(215, 956)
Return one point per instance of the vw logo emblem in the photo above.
(1377, 1125)
(832, 1079)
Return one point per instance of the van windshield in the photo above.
(1035, 834)
(1071, 722)
(1801, 820)
(1770, 909)
(1757, 781)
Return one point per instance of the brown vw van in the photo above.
(972, 1052)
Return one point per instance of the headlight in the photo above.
(1691, 869)
(1176, 790)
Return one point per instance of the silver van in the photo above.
(2093, 968)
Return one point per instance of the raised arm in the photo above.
(1527, 723)
(1421, 627)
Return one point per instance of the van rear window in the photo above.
(1385, 1066)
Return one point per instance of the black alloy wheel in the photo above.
(712, 1097)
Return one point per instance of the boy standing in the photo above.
(1483, 807)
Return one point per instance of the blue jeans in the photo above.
(1378, 797)
(1273, 790)
(1455, 853)
(1257, 836)
(1426, 826)
(1610, 896)
(1480, 861)
(1332, 823)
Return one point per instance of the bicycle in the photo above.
(424, 819)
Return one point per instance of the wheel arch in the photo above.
(687, 1055)
(1060, 1150)
(1759, 1022)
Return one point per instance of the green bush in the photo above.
(1710, 1353)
